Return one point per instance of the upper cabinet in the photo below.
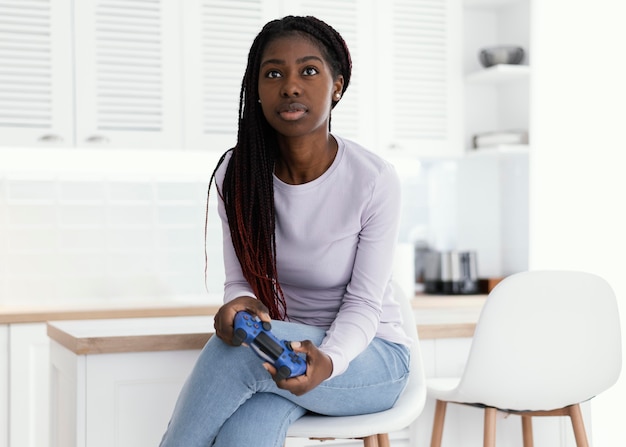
(36, 96)
(419, 82)
(496, 98)
(127, 73)
(217, 37)
(163, 74)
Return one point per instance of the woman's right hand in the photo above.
(225, 316)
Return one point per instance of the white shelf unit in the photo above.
(498, 74)
(496, 98)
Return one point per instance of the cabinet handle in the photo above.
(98, 139)
(51, 138)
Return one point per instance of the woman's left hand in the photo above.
(319, 367)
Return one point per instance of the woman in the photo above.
(310, 223)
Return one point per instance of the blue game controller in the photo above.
(256, 334)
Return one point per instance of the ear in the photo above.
(337, 88)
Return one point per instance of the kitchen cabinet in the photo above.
(25, 361)
(167, 74)
(419, 82)
(35, 80)
(90, 73)
(127, 73)
(24, 382)
(125, 400)
(114, 382)
(496, 98)
(4, 385)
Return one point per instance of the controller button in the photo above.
(283, 372)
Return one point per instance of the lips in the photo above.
(292, 111)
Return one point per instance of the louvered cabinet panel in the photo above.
(128, 74)
(353, 20)
(36, 73)
(216, 39)
(420, 78)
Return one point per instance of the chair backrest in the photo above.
(544, 340)
(414, 396)
(406, 409)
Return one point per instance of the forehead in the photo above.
(294, 43)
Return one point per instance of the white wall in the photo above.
(95, 225)
(577, 174)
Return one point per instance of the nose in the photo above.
(291, 87)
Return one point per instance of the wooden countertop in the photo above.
(437, 317)
(10, 314)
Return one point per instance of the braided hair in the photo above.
(248, 190)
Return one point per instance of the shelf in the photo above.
(488, 3)
(499, 74)
(502, 149)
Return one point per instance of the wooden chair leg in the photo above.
(489, 436)
(370, 441)
(440, 415)
(383, 440)
(527, 431)
(578, 425)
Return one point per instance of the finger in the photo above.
(270, 368)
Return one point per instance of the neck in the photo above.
(302, 161)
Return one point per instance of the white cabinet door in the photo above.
(127, 61)
(29, 380)
(353, 117)
(129, 397)
(4, 385)
(419, 90)
(216, 38)
(36, 102)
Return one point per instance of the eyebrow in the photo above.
(298, 61)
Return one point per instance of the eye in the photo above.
(272, 74)
(310, 71)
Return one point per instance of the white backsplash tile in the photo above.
(105, 238)
(110, 237)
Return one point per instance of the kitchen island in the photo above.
(182, 325)
(115, 381)
(25, 358)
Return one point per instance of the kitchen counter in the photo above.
(437, 317)
(33, 313)
(116, 380)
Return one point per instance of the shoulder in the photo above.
(365, 164)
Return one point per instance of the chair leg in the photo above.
(578, 425)
(489, 436)
(527, 431)
(370, 441)
(440, 415)
(383, 440)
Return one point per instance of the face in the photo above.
(296, 86)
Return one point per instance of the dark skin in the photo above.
(296, 90)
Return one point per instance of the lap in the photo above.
(372, 382)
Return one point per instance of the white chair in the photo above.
(374, 428)
(545, 342)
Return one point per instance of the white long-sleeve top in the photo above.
(335, 239)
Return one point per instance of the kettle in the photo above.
(451, 272)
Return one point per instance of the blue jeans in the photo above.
(230, 400)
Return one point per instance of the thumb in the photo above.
(297, 346)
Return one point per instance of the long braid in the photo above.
(248, 188)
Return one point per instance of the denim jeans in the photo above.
(230, 400)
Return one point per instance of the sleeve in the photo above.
(358, 318)
(235, 284)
